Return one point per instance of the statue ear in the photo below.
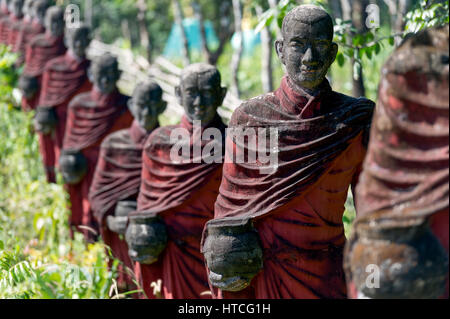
(90, 75)
(279, 50)
(334, 51)
(178, 95)
(223, 92)
(130, 106)
(162, 107)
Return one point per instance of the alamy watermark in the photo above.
(258, 146)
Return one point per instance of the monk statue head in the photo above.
(147, 104)
(16, 8)
(39, 9)
(77, 40)
(27, 8)
(4, 4)
(200, 92)
(54, 21)
(105, 73)
(307, 49)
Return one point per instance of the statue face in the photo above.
(27, 8)
(54, 24)
(39, 10)
(105, 78)
(78, 43)
(200, 95)
(16, 7)
(145, 108)
(307, 53)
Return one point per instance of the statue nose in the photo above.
(197, 100)
(309, 57)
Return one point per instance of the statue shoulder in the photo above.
(160, 137)
(346, 100)
(39, 41)
(81, 99)
(253, 108)
(118, 139)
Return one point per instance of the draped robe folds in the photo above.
(405, 180)
(91, 117)
(27, 31)
(4, 25)
(118, 177)
(296, 208)
(183, 195)
(41, 50)
(14, 24)
(64, 77)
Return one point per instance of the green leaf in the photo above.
(391, 40)
(377, 48)
(340, 59)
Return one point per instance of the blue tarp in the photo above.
(192, 28)
(173, 47)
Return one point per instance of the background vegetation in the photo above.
(38, 258)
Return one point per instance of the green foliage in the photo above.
(38, 258)
(426, 14)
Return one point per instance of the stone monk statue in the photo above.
(31, 26)
(11, 22)
(91, 116)
(278, 232)
(399, 243)
(4, 9)
(177, 195)
(41, 49)
(115, 186)
(63, 78)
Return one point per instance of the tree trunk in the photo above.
(336, 9)
(203, 40)
(88, 13)
(178, 14)
(355, 10)
(266, 56)
(237, 54)
(273, 4)
(143, 29)
(125, 26)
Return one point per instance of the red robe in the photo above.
(64, 77)
(405, 181)
(27, 31)
(118, 177)
(42, 49)
(91, 117)
(14, 25)
(297, 209)
(4, 26)
(183, 195)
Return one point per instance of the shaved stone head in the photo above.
(105, 73)
(78, 39)
(307, 49)
(147, 104)
(308, 14)
(54, 20)
(200, 92)
(39, 9)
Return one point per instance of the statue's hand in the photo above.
(73, 166)
(118, 222)
(146, 238)
(28, 86)
(233, 255)
(45, 120)
(401, 262)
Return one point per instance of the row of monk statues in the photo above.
(224, 228)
